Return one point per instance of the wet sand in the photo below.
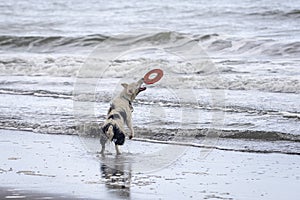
(37, 166)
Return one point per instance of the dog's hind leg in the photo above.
(108, 135)
(102, 149)
(102, 141)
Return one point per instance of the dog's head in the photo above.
(133, 89)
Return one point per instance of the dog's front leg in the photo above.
(118, 152)
(129, 124)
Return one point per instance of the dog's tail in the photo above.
(110, 132)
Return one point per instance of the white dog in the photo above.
(119, 114)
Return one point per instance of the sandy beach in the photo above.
(37, 166)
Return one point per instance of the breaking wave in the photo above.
(38, 93)
(295, 13)
(40, 65)
(92, 128)
(48, 44)
(234, 140)
(68, 66)
(211, 42)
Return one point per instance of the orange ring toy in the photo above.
(159, 74)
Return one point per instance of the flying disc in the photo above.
(148, 77)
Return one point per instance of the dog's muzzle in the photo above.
(142, 89)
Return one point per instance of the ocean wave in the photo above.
(105, 97)
(210, 42)
(38, 93)
(38, 128)
(242, 82)
(232, 134)
(92, 128)
(229, 109)
(227, 140)
(295, 13)
(40, 65)
(290, 115)
(229, 46)
(47, 44)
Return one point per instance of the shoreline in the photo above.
(212, 147)
(60, 166)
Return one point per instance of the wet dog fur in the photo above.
(120, 113)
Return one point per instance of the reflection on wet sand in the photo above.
(117, 175)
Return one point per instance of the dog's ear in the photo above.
(125, 85)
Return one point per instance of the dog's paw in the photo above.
(101, 152)
(130, 137)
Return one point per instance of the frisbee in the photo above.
(148, 77)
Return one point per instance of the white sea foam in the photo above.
(182, 75)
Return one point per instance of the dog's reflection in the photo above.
(116, 171)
